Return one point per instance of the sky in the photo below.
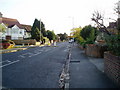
(58, 15)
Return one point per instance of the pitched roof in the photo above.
(27, 27)
(9, 22)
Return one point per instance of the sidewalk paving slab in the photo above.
(98, 62)
(87, 73)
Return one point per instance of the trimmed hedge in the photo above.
(25, 42)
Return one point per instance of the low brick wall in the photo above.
(112, 67)
(26, 42)
(95, 50)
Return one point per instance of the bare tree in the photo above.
(98, 19)
(117, 8)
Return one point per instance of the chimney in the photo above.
(1, 15)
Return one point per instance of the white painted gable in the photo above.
(15, 27)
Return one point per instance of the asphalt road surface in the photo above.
(41, 67)
(38, 67)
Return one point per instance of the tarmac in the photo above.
(85, 72)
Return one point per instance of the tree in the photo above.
(2, 28)
(36, 34)
(51, 35)
(76, 34)
(35, 30)
(43, 29)
(88, 32)
(117, 10)
(98, 19)
(63, 36)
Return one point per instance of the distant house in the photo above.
(27, 30)
(112, 28)
(14, 29)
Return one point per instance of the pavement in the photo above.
(98, 62)
(87, 72)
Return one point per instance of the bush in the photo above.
(7, 44)
(86, 42)
(113, 43)
(89, 35)
(88, 32)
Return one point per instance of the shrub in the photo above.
(113, 43)
(7, 44)
(88, 32)
(90, 35)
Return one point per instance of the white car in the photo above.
(70, 41)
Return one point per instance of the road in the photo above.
(38, 67)
(42, 67)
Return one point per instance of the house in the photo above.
(27, 30)
(13, 29)
(112, 28)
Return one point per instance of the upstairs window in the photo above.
(20, 32)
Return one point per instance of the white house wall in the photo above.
(15, 33)
(27, 34)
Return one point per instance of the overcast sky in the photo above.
(57, 15)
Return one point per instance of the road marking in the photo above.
(21, 56)
(10, 63)
(25, 54)
(5, 61)
(34, 54)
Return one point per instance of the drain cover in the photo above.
(74, 61)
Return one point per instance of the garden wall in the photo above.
(112, 67)
(95, 50)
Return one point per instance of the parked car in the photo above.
(71, 40)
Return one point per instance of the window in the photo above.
(20, 32)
